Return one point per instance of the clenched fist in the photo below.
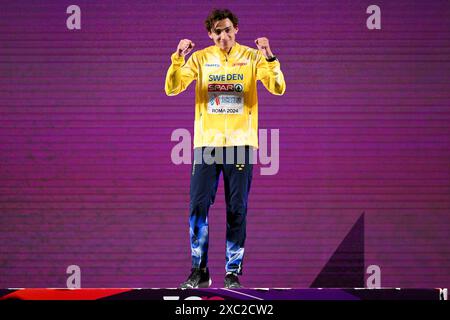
(184, 47)
(263, 46)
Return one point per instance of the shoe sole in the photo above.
(201, 285)
(231, 287)
(204, 284)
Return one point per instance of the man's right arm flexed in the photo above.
(181, 74)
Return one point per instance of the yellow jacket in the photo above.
(226, 100)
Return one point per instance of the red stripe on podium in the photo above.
(62, 294)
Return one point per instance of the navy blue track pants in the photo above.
(237, 170)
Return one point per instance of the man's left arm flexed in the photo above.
(268, 68)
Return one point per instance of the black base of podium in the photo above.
(254, 294)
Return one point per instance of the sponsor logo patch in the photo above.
(212, 65)
(226, 98)
(225, 87)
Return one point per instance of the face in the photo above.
(223, 34)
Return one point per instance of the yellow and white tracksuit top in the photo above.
(226, 100)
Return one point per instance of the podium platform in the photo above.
(223, 294)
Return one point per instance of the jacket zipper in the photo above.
(249, 126)
(226, 129)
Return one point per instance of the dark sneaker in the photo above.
(232, 281)
(199, 278)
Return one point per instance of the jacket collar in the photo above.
(232, 53)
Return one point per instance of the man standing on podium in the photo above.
(226, 125)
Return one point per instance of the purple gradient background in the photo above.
(85, 171)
